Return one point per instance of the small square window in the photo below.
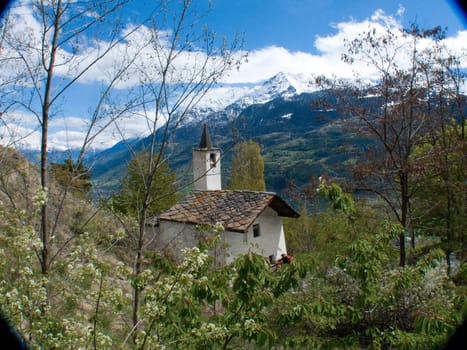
(256, 231)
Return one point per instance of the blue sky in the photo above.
(293, 24)
(298, 37)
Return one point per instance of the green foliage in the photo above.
(344, 288)
(323, 236)
(57, 310)
(73, 176)
(320, 237)
(346, 292)
(300, 233)
(440, 197)
(190, 306)
(366, 300)
(339, 199)
(247, 168)
(133, 191)
(357, 296)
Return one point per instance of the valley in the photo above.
(298, 139)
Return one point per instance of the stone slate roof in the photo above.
(235, 210)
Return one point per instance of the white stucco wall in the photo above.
(207, 170)
(270, 242)
(174, 236)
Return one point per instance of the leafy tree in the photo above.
(74, 176)
(441, 195)
(44, 61)
(339, 200)
(299, 233)
(359, 299)
(324, 235)
(410, 84)
(366, 300)
(191, 306)
(319, 237)
(129, 199)
(247, 168)
(86, 294)
(362, 299)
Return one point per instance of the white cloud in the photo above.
(68, 123)
(66, 139)
(458, 44)
(265, 62)
(17, 130)
(68, 132)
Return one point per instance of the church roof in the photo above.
(235, 210)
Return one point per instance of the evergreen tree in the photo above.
(247, 168)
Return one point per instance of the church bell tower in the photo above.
(206, 164)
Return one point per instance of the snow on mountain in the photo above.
(301, 83)
(280, 85)
(225, 103)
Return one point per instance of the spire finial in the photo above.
(205, 138)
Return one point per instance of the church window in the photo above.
(256, 230)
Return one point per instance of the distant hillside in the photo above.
(298, 142)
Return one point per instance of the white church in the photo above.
(252, 220)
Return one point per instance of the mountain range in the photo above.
(298, 139)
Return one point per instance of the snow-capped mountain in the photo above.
(280, 85)
(224, 103)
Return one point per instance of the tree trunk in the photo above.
(404, 188)
(138, 267)
(402, 250)
(45, 129)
